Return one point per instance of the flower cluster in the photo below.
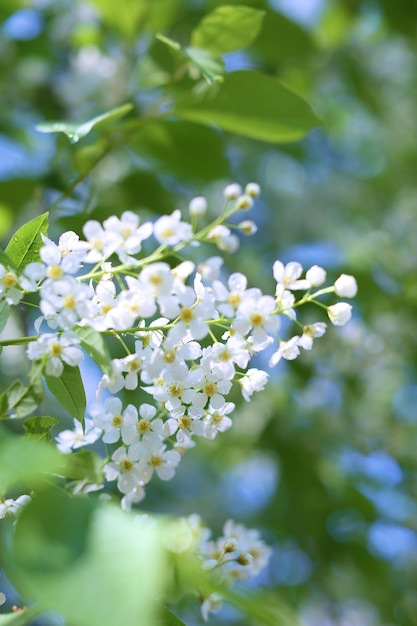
(187, 333)
(238, 554)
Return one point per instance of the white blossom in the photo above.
(339, 313)
(345, 286)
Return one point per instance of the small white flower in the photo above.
(346, 286)
(170, 230)
(247, 227)
(57, 350)
(254, 380)
(69, 440)
(287, 349)
(339, 313)
(287, 275)
(310, 332)
(210, 268)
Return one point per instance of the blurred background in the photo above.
(324, 461)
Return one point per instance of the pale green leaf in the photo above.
(93, 343)
(228, 28)
(62, 544)
(20, 400)
(24, 461)
(254, 105)
(68, 389)
(75, 132)
(17, 618)
(24, 246)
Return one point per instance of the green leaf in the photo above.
(85, 465)
(4, 314)
(125, 16)
(63, 543)
(201, 62)
(68, 389)
(283, 41)
(254, 105)
(228, 28)
(6, 260)
(24, 461)
(19, 400)
(40, 427)
(93, 343)
(166, 618)
(175, 147)
(24, 246)
(263, 608)
(75, 132)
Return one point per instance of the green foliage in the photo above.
(24, 246)
(227, 28)
(85, 465)
(24, 462)
(93, 343)
(254, 105)
(4, 314)
(39, 427)
(103, 123)
(63, 543)
(68, 389)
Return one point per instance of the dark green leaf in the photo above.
(24, 461)
(24, 246)
(227, 28)
(4, 314)
(93, 344)
(39, 427)
(68, 389)
(188, 150)
(6, 260)
(75, 132)
(252, 104)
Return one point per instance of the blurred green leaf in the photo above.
(227, 28)
(24, 461)
(62, 544)
(166, 618)
(263, 608)
(75, 132)
(4, 314)
(24, 246)
(85, 465)
(93, 343)
(39, 427)
(201, 62)
(68, 389)
(282, 41)
(188, 150)
(126, 16)
(252, 104)
(17, 618)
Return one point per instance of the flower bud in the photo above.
(247, 227)
(253, 190)
(339, 313)
(198, 206)
(346, 286)
(232, 192)
(316, 275)
(244, 203)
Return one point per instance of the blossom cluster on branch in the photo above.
(187, 335)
